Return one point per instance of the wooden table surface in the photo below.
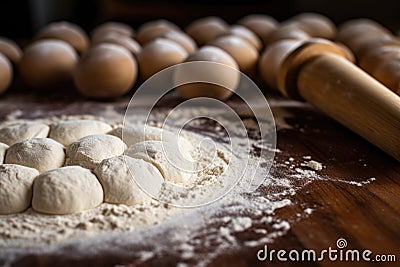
(367, 216)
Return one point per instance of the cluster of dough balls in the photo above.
(75, 165)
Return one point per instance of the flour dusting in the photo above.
(192, 236)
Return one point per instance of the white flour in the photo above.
(193, 236)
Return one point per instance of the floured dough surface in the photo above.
(67, 132)
(3, 149)
(120, 176)
(20, 132)
(89, 151)
(83, 208)
(66, 190)
(43, 154)
(15, 187)
(166, 157)
(133, 134)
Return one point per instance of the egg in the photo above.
(182, 39)
(374, 59)
(47, 63)
(347, 52)
(10, 49)
(67, 32)
(224, 73)
(246, 34)
(6, 73)
(206, 29)
(272, 57)
(388, 73)
(159, 54)
(290, 31)
(105, 70)
(149, 31)
(242, 52)
(371, 45)
(348, 28)
(262, 25)
(316, 25)
(122, 40)
(356, 33)
(111, 27)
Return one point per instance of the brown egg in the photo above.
(292, 32)
(10, 49)
(376, 57)
(242, 52)
(358, 41)
(262, 25)
(347, 52)
(272, 58)
(347, 28)
(147, 32)
(225, 73)
(47, 62)
(122, 40)
(111, 27)
(245, 34)
(388, 73)
(159, 54)
(356, 33)
(105, 70)
(67, 32)
(206, 29)
(182, 39)
(6, 73)
(374, 44)
(316, 25)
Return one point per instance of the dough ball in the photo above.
(15, 187)
(120, 176)
(3, 149)
(66, 190)
(89, 151)
(139, 133)
(165, 156)
(67, 132)
(43, 154)
(20, 132)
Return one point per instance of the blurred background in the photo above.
(22, 18)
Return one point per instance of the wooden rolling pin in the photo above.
(318, 72)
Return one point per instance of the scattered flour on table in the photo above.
(194, 236)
